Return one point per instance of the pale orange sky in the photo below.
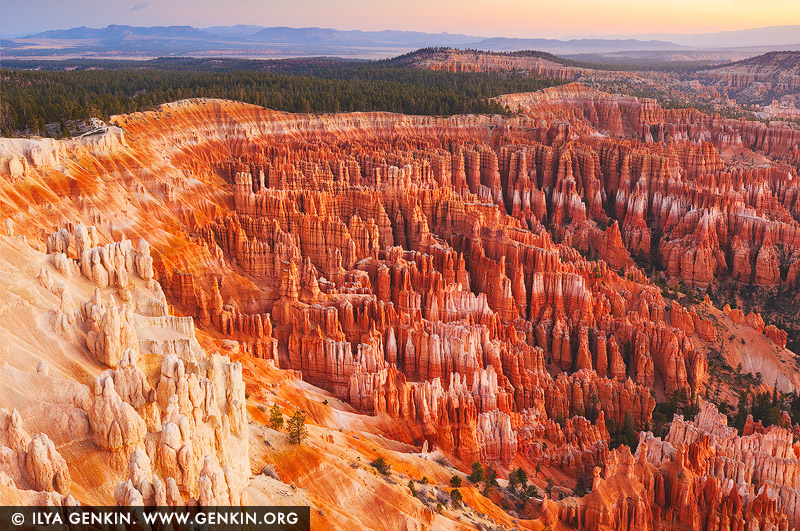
(506, 18)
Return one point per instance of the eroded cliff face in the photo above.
(466, 284)
(465, 61)
(768, 85)
(720, 195)
(759, 79)
(703, 475)
(167, 416)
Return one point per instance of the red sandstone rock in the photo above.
(776, 335)
(767, 270)
(755, 321)
(736, 315)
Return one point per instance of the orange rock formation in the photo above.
(471, 280)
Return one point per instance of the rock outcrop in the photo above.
(115, 424)
(32, 462)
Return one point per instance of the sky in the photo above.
(487, 18)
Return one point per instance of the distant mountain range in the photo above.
(260, 34)
(573, 46)
(772, 36)
(120, 41)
